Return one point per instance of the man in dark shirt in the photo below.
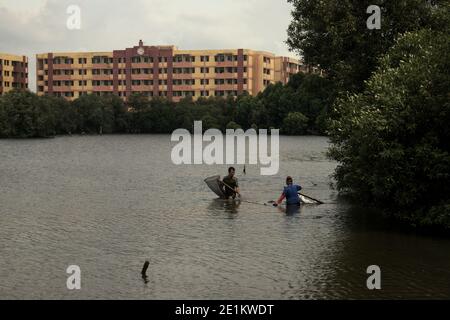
(230, 184)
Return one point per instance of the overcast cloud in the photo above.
(35, 26)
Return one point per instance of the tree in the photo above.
(209, 122)
(94, 113)
(245, 107)
(392, 141)
(121, 116)
(314, 96)
(333, 34)
(278, 101)
(233, 125)
(295, 123)
(23, 116)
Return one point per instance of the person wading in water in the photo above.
(231, 185)
(290, 193)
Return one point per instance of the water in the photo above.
(109, 203)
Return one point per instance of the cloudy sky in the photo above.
(35, 26)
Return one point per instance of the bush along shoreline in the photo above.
(298, 108)
(388, 126)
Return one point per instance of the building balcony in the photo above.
(102, 88)
(142, 65)
(63, 77)
(142, 88)
(62, 88)
(225, 75)
(225, 64)
(183, 76)
(226, 87)
(182, 88)
(61, 66)
(142, 76)
(102, 66)
(183, 64)
(102, 77)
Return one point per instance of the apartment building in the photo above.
(286, 67)
(162, 71)
(13, 72)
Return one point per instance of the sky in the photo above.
(28, 27)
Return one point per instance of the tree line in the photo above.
(300, 107)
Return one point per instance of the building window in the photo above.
(183, 70)
(204, 93)
(97, 60)
(140, 59)
(183, 58)
(186, 82)
(183, 93)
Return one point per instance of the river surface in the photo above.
(109, 203)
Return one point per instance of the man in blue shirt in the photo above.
(290, 193)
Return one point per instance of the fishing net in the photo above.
(306, 200)
(214, 184)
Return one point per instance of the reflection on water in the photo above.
(290, 210)
(110, 203)
(230, 207)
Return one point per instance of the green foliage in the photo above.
(393, 140)
(24, 114)
(233, 125)
(334, 34)
(295, 123)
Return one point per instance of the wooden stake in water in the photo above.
(144, 269)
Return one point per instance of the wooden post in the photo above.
(144, 269)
